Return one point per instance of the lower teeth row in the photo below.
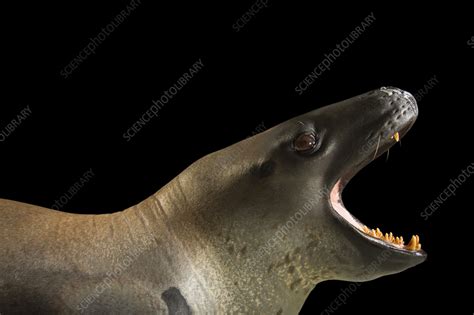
(414, 243)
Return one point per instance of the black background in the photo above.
(248, 78)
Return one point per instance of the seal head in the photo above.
(289, 179)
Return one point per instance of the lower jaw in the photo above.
(386, 239)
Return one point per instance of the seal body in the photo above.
(251, 228)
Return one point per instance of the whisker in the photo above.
(377, 148)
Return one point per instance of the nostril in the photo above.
(390, 90)
(387, 90)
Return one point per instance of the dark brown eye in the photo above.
(305, 142)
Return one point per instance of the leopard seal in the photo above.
(252, 228)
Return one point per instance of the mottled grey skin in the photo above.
(211, 240)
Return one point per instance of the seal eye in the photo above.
(306, 143)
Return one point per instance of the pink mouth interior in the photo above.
(338, 206)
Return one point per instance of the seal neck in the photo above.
(216, 263)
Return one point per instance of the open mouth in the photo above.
(386, 240)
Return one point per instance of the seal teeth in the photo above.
(396, 136)
(366, 229)
(414, 243)
(379, 233)
(389, 237)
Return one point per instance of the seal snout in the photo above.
(403, 98)
(391, 112)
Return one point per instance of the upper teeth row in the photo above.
(414, 243)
